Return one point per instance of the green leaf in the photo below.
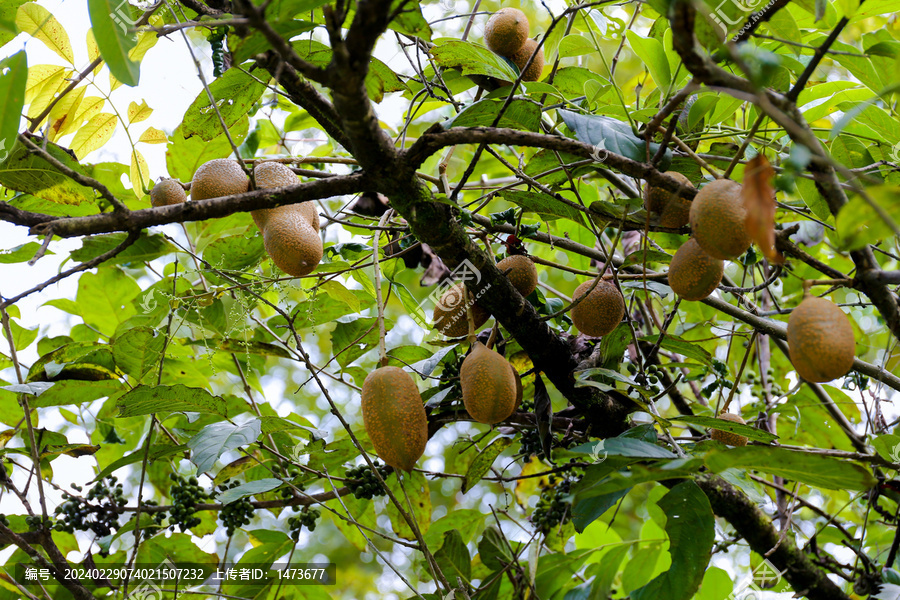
(28, 173)
(235, 92)
(745, 430)
(453, 558)
(681, 346)
(473, 59)
(653, 55)
(104, 298)
(20, 254)
(409, 20)
(540, 203)
(353, 339)
(110, 22)
(586, 511)
(74, 392)
(812, 469)
(465, 521)
(32, 389)
(493, 550)
(622, 446)
(216, 439)
(483, 462)
(137, 351)
(419, 506)
(145, 400)
(637, 474)
(521, 114)
(250, 488)
(690, 525)
(235, 252)
(612, 135)
(13, 76)
(888, 446)
(148, 247)
(859, 224)
(156, 452)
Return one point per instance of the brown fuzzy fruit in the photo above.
(601, 311)
(694, 274)
(449, 316)
(673, 210)
(726, 437)
(536, 68)
(394, 417)
(506, 31)
(217, 178)
(717, 219)
(821, 341)
(166, 192)
(292, 243)
(272, 175)
(523, 275)
(488, 385)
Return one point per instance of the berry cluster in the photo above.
(650, 377)
(307, 518)
(554, 506)
(185, 494)
(362, 482)
(237, 513)
(530, 441)
(98, 511)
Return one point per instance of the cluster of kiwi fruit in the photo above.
(394, 416)
(820, 335)
(290, 233)
(506, 34)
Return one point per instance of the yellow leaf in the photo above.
(759, 204)
(153, 136)
(64, 111)
(138, 112)
(146, 40)
(37, 21)
(38, 75)
(93, 50)
(140, 174)
(527, 487)
(46, 92)
(93, 135)
(89, 108)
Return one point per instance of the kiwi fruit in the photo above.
(449, 316)
(694, 274)
(673, 210)
(272, 175)
(488, 385)
(292, 243)
(821, 341)
(394, 417)
(601, 311)
(166, 192)
(726, 437)
(506, 31)
(536, 68)
(717, 220)
(523, 275)
(218, 177)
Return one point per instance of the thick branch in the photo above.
(202, 209)
(755, 527)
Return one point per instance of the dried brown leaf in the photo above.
(759, 205)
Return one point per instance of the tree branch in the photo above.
(200, 210)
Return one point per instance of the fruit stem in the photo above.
(740, 372)
(382, 353)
